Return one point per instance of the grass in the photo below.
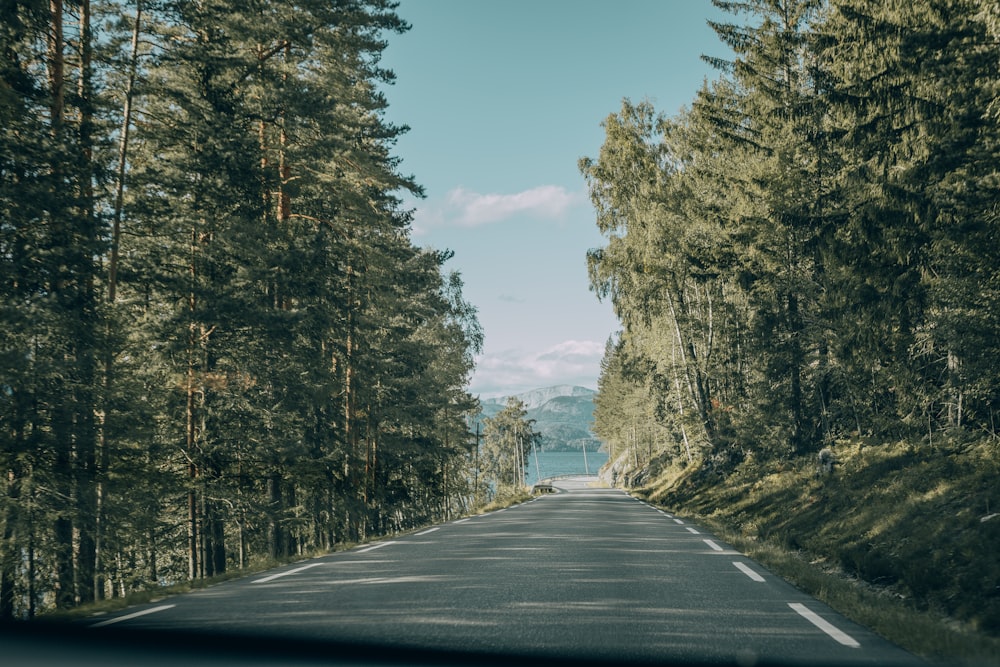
(898, 538)
(507, 499)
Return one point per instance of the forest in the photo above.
(219, 343)
(810, 251)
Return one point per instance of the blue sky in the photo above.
(502, 99)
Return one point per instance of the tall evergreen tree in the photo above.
(911, 99)
(52, 236)
(778, 113)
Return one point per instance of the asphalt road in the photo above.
(586, 573)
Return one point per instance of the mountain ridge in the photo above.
(534, 398)
(563, 414)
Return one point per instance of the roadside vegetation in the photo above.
(900, 538)
(805, 266)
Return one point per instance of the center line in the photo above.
(374, 547)
(814, 618)
(284, 574)
(135, 615)
(712, 544)
(429, 530)
(747, 571)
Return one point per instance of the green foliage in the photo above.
(507, 442)
(220, 343)
(808, 252)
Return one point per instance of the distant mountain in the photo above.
(563, 415)
(536, 398)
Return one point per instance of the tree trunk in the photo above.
(192, 498)
(123, 140)
(56, 64)
(277, 535)
(62, 428)
(86, 432)
(795, 362)
(219, 544)
(8, 552)
(154, 575)
(356, 531)
(697, 386)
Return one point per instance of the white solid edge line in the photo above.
(824, 625)
(374, 547)
(747, 571)
(135, 615)
(693, 531)
(284, 574)
(715, 547)
(429, 530)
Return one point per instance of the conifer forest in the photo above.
(219, 343)
(810, 251)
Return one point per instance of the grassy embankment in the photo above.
(903, 539)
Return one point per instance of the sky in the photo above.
(502, 100)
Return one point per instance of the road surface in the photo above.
(585, 573)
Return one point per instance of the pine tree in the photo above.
(911, 100)
(778, 110)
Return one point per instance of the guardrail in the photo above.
(545, 485)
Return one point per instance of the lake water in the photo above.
(551, 464)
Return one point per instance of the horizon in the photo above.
(536, 389)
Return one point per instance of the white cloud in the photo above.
(574, 351)
(512, 371)
(466, 208)
(473, 209)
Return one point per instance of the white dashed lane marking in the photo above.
(839, 635)
(284, 574)
(135, 615)
(745, 569)
(374, 547)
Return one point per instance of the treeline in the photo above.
(811, 251)
(509, 440)
(219, 343)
